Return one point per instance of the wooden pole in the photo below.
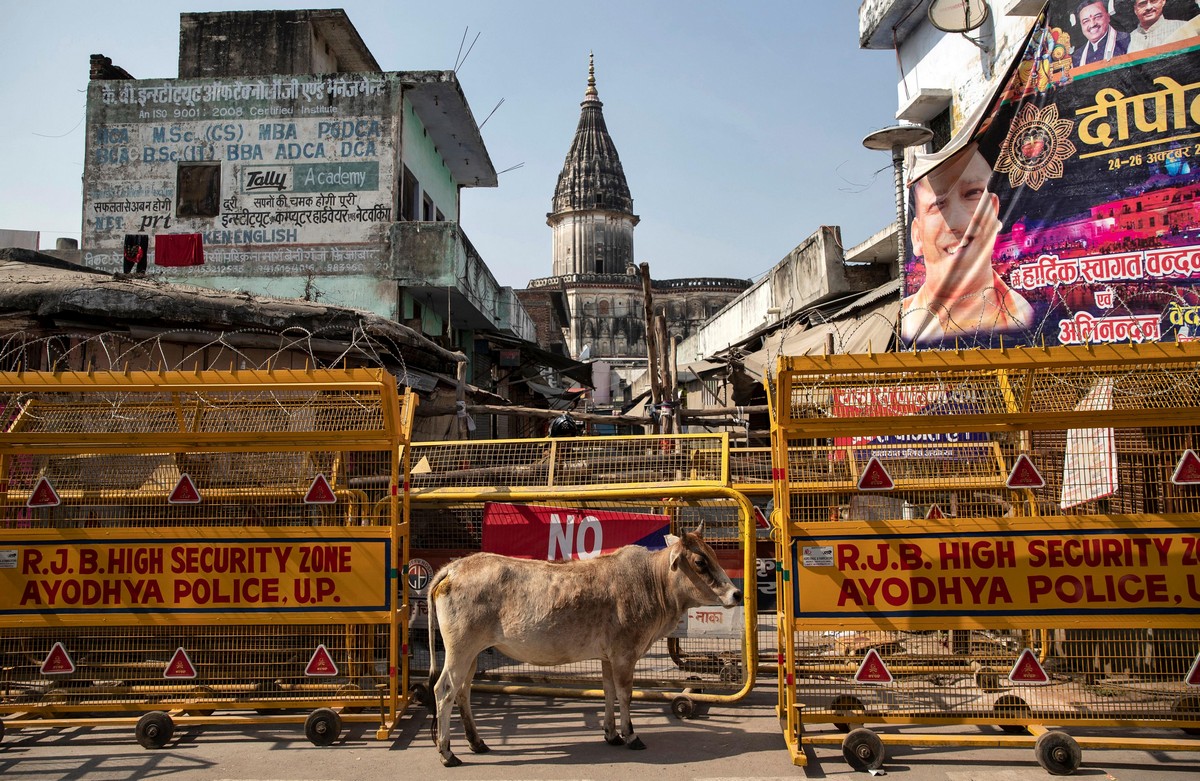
(651, 340)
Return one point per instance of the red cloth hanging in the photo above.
(178, 249)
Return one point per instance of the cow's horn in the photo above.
(699, 530)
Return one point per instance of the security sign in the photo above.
(184, 492)
(1188, 470)
(58, 662)
(44, 495)
(321, 664)
(320, 492)
(180, 666)
(875, 477)
(1024, 474)
(1193, 676)
(872, 669)
(1028, 669)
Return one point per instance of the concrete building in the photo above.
(283, 161)
(593, 304)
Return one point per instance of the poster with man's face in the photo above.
(1071, 213)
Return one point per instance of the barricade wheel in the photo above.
(845, 703)
(199, 694)
(1189, 706)
(350, 690)
(683, 707)
(1010, 706)
(1058, 753)
(419, 692)
(322, 727)
(1, 730)
(863, 749)
(154, 729)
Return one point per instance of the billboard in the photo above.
(1070, 212)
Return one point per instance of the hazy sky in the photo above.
(739, 124)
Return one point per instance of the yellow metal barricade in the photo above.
(1001, 537)
(619, 488)
(203, 548)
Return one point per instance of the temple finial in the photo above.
(591, 87)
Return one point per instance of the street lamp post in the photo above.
(897, 139)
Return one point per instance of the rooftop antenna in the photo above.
(458, 63)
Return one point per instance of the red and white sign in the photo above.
(321, 665)
(58, 661)
(1188, 470)
(1028, 669)
(1193, 676)
(873, 670)
(44, 495)
(760, 519)
(935, 513)
(1024, 474)
(180, 666)
(320, 492)
(184, 491)
(556, 533)
(875, 477)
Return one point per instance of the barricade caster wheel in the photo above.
(863, 749)
(1012, 706)
(1057, 753)
(154, 729)
(419, 693)
(1, 730)
(683, 707)
(846, 703)
(322, 727)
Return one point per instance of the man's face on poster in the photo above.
(1094, 20)
(944, 203)
(1148, 11)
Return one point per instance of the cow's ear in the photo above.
(674, 557)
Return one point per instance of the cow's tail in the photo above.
(434, 669)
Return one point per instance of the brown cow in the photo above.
(610, 608)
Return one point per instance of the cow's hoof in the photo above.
(636, 744)
(451, 761)
(479, 747)
(615, 740)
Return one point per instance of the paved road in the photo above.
(534, 738)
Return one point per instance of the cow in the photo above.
(611, 607)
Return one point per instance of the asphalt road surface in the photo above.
(540, 738)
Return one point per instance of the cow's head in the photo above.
(706, 580)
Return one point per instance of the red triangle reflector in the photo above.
(184, 492)
(760, 519)
(875, 477)
(1024, 474)
(1028, 669)
(321, 663)
(872, 669)
(44, 495)
(935, 513)
(320, 492)
(58, 661)
(1193, 676)
(180, 666)
(1188, 471)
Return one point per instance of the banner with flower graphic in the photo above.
(1070, 213)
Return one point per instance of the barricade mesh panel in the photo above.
(185, 542)
(1097, 443)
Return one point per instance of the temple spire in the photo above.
(591, 93)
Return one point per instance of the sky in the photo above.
(739, 124)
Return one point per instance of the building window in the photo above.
(940, 125)
(410, 198)
(198, 190)
(427, 208)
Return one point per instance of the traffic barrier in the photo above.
(999, 537)
(203, 548)
(578, 497)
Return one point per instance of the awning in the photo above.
(532, 354)
(870, 331)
